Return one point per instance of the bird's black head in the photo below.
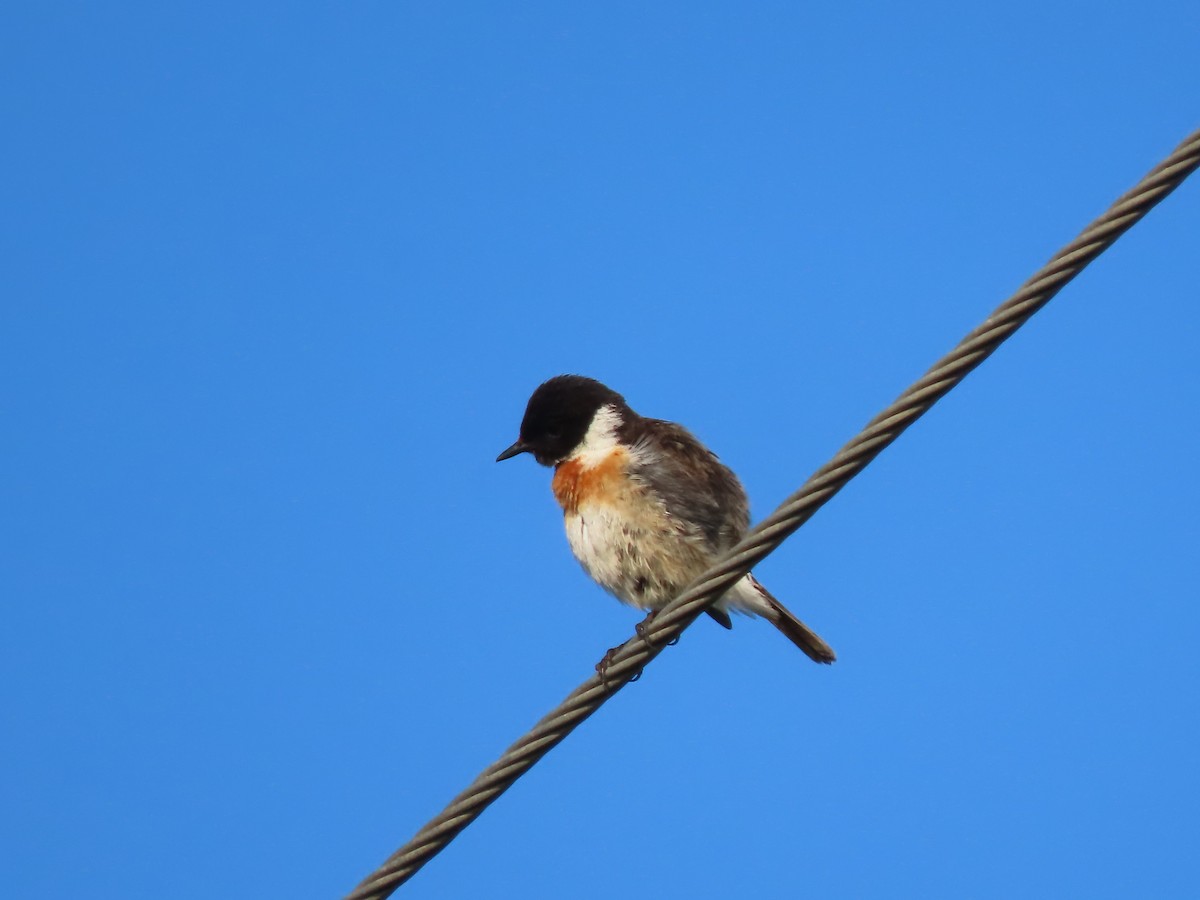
(558, 415)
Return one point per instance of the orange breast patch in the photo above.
(575, 485)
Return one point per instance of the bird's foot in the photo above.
(606, 661)
(642, 628)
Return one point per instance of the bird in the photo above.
(647, 507)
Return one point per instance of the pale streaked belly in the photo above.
(638, 556)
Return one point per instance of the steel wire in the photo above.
(627, 661)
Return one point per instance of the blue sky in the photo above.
(279, 280)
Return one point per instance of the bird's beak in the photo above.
(516, 449)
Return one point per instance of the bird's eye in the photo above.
(554, 431)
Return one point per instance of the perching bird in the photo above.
(647, 507)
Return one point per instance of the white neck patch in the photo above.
(601, 437)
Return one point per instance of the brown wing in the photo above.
(700, 494)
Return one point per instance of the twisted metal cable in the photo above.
(654, 634)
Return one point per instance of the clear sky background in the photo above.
(279, 279)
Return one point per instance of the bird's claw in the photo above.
(606, 661)
(642, 629)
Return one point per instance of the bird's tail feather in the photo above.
(793, 629)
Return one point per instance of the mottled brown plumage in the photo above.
(647, 507)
